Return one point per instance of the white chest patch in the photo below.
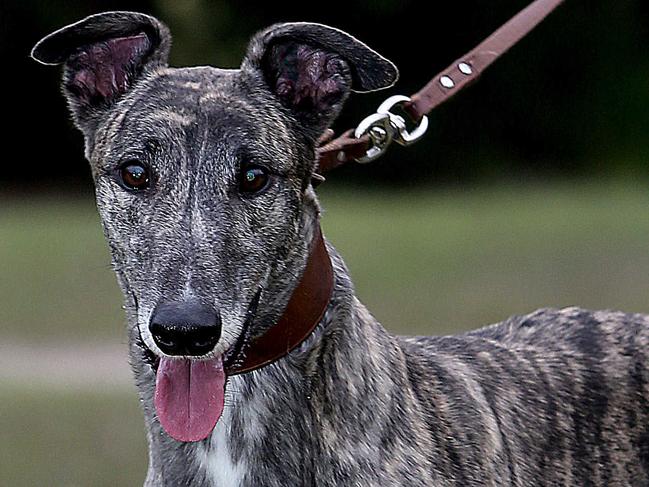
(217, 460)
(221, 470)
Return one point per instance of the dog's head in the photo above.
(203, 175)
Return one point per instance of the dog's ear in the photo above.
(311, 68)
(103, 56)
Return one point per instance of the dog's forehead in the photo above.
(207, 107)
(195, 89)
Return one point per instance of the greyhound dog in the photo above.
(204, 186)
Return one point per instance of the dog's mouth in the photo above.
(190, 393)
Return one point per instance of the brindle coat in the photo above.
(557, 397)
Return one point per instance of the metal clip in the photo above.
(380, 131)
(384, 126)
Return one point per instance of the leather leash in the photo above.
(310, 299)
(305, 309)
(374, 134)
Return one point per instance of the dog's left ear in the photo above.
(311, 68)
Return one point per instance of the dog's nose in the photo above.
(185, 328)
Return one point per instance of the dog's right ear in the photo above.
(103, 56)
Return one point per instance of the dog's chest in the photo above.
(222, 470)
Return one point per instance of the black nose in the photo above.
(185, 328)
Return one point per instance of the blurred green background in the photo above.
(530, 190)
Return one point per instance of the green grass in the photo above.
(425, 262)
(70, 439)
(437, 262)
(57, 283)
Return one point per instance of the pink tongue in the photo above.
(189, 397)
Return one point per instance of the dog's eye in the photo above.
(135, 175)
(253, 179)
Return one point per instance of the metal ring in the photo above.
(402, 135)
(407, 138)
(391, 102)
(380, 140)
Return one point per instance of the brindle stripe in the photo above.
(551, 451)
(593, 405)
(436, 422)
(491, 398)
(449, 388)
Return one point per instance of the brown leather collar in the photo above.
(305, 309)
(465, 70)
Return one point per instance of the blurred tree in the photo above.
(571, 99)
